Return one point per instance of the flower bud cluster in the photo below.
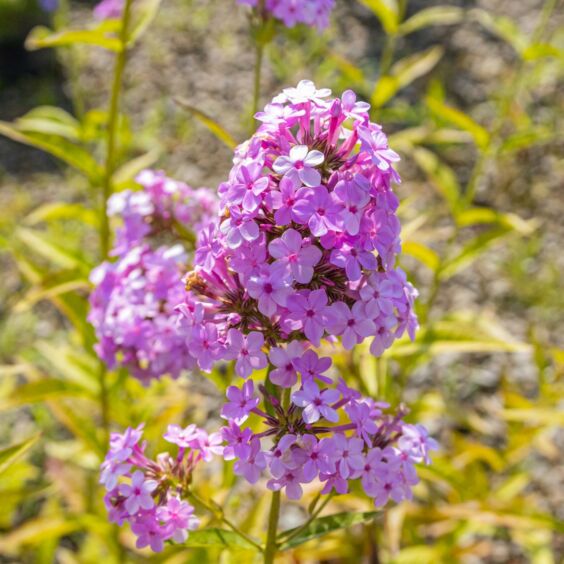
(150, 495)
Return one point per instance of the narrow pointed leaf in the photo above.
(9, 455)
(219, 131)
(325, 525)
(437, 15)
(41, 37)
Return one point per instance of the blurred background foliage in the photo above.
(471, 94)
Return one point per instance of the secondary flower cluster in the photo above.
(132, 306)
(322, 432)
(108, 9)
(306, 243)
(149, 494)
(314, 13)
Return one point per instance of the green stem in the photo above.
(109, 166)
(271, 547)
(216, 510)
(259, 57)
(113, 122)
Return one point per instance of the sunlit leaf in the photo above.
(386, 11)
(477, 216)
(40, 244)
(62, 210)
(423, 254)
(472, 250)
(50, 291)
(441, 176)
(219, 131)
(142, 16)
(9, 455)
(325, 525)
(59, 147)
(132, 168)
(218, 537)
(35, 531)
(459, 119)
(502, 26)
(403, 73)
(542, 51)
(42, 390)
(41, 37)
(50, 120)
(437, 15)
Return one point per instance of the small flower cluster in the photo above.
(314, 13)
(326, 433)
(108, 9)
(164, 206)
(149, 494)
(306, 244)
(132, 306)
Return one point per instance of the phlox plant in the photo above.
(299, 248)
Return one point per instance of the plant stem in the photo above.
(109, 166)
(259, 56)
(113, 122)
(216, 510)
(271, 547)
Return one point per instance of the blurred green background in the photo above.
(471, 95)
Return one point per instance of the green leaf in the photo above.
(528, 138)
(478, 216)
(325, 525)
(403, 73)
(459, 119)
(441, 176)
(62, 210)
(472, 250)
(40, 391)
(40, 244)
(219, 131)
(218, 538)
(50, 120)
(59, 147)
(437, 15)
(386, 11)
(41, 37)
(504, 27)
(143, 15)
(9, 455)
(35, 531)
(132, 168)
(423, 254)
(71, 365)
(542, 51)
(50, 291)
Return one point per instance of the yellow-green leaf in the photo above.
(437, 15)
(423, 254)
(386, 11)
(219, 131)
(403, 73)
(41, 37)
(9, 455)
(459, 119)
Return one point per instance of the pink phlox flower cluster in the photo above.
(149, 494)
(132, 309)
(108, 9)
(329, 434)
(133, 304)
(305, 246)
(314, 13)
(163, 206)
